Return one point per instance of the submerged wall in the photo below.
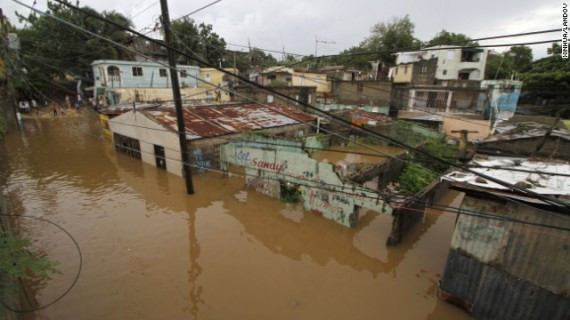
(270, 168)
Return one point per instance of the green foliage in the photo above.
(18, 262)
(398, 33)
(199, 39)
(50, 49)
(414, 178)
(516, 61)
(449, 38)
(439, 148)
(290, 193)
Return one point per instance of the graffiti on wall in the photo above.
(199, 161)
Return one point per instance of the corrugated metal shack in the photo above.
(498, 268)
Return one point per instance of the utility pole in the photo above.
(187, 173)
(8, 69)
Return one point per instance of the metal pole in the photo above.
(177, 99)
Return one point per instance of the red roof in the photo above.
(217, 120)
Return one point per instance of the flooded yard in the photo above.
(152, 252)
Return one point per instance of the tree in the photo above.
(399, 33)
(515, 61)
(522, 58)
(51, 50)
(449, 38)
(198, 40)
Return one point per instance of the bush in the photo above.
(415, 177)
(439, 148)
(18, 262)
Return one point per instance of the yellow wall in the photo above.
(402, 73)
(214, 76)
(303, 79)
(165, 94)
(309, 79)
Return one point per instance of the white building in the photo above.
(452, 64)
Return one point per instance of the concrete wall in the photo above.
(499, 269)
(375, 93)
(338, 107)
(150, 78)
(163, 94)
(303, 94)
(503, 95)
(323, 192)
(554, 147)
(217, 78)
(483, 127)
(402, 73)
(135, 124)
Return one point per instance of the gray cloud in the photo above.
(294, 23)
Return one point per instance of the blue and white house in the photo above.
(115, 79)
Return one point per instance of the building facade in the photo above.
(114, 79)
(452, 63)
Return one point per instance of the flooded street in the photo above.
(151, 252)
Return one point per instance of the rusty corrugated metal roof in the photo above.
(217, 120)
(370, 115)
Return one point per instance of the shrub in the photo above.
(415, 177)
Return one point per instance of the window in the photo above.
(424, 69)
(183, 74)
(137, 72)
(405, 69)
(396, 72)
(444, 72)
(163, 73)
(269, 98)
(208, 77)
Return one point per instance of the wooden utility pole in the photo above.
(187, 173)
(463, 152)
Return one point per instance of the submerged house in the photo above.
(509, 259)
(151, 134)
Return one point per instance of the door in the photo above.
(160, 157)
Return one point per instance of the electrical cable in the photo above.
(76, 276)
(498, 181)
(387, 198)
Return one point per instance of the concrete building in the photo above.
(466, 97)
(419, 72)
(151, 134)
(117, 80)
(503, 96)
(301, 93)
(507, 263)
(344, 73)
(216, 78)
(452, 64)
(296, 77)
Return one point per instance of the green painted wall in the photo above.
(322, 190)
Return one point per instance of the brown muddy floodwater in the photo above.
(360, 154)
(152, 252)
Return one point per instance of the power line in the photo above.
(144, 10)
(377, 135)
(76, 276)
(387, 197)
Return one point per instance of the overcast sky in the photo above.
(272, 24)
